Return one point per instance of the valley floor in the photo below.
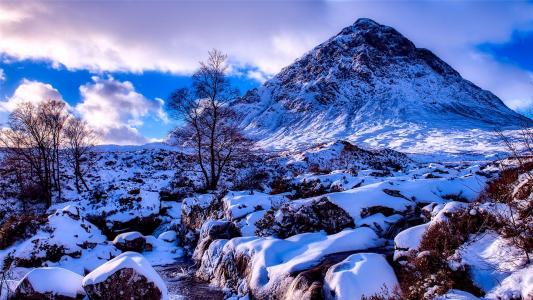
(337, 223)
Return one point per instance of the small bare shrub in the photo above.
(280, 185)
(428, 270)
(18, 227)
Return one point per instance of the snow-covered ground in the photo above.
(353, 216)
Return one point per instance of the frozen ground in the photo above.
(376, 200)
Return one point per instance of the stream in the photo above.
(182, 285)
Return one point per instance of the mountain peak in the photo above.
(381, 38)
(364, 77)
(366, 22)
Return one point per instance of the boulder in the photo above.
(409, 240)
(194, 212)
(210, 260)
(127, 276)
(50, 283)
(130, 241)
(211, 231)
(120, 212)
(168, 236)
(312, 216)
(265, 268)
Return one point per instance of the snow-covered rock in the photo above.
(361, 274)
(408, 240)
(168, 236)
(241, 203)
(65, 233)
(211, 231)
(130, 241)
(265, 266)
(123, 210)
(379, 222)
(50, 283)
(195, 211)
(126, 276)
(211, 259)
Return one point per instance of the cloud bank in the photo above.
(116, 110)
(266, 35)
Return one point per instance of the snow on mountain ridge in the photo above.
(369, 78)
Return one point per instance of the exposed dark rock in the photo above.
(394, 193)
(308, 284)
(214, 230)
(320, 214)
(145, 225)
(130, 241)
(195, 212)
(368, 211)
(25, 291)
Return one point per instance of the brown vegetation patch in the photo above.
(18, 227)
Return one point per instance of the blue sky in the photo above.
(151, 84)
(116, 62)
(518, 50)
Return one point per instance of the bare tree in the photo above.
(54, 115)
(210, 127)
(28, 139)
(79, 142)
(33, 141)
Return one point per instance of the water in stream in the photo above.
(182, 285)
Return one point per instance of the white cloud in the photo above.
(257, 75)
(28, 91)
(174, 36)
(31, 91)
(2, 75)
(116, 110)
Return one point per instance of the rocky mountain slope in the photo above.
(371, 84)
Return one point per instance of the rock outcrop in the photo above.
(295, 218)
(211, 231)
(195, 211)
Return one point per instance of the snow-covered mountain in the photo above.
(371, 84)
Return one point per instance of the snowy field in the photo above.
(352, 215)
